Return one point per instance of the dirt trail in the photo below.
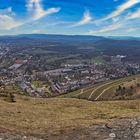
(97, 89)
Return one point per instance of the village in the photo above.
(61, 79)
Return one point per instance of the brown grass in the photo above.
(37, 116)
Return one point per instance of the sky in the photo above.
(70, 17)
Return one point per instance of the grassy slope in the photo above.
(107, 95)
(37, 116)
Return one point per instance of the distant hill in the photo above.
(53, 37)
(123, 47)
(124, 38)
(78, 38)
(72, 43)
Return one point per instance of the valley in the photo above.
(90, 90)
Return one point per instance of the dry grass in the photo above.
(109, 93)
(38, 116)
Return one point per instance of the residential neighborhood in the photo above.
(24, 69)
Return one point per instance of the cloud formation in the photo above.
(128, 4)
(35, 11)
(107, 28)
(125, 17)
(134, 15)
(36, 8)
(7, 20)
(85, 20)
(116, 20)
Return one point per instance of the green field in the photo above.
(98, 60)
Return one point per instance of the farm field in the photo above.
(105, 90)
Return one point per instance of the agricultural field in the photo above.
(78, 60)
(107, 90)
(98, 60)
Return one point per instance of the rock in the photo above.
(134, 124)
(109, 139)
(106, 125)
(24, 137)
(112, 135)
(138, 126)
(101, 126)
(137, 134)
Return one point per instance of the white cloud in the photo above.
(86, 19)
(8, 11)
(128, 4)
(117, 20)
(36, 7)
(108, 28)
(134, 15)
(131, 29)
(37, 31)
(7, 20)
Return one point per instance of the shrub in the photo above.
(10, 98)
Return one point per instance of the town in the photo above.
(69, 69)
(33, 76)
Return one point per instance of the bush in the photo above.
(10, 98)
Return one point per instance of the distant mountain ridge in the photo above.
(55, 37)
(124, 38)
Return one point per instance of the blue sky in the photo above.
(84, 17)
